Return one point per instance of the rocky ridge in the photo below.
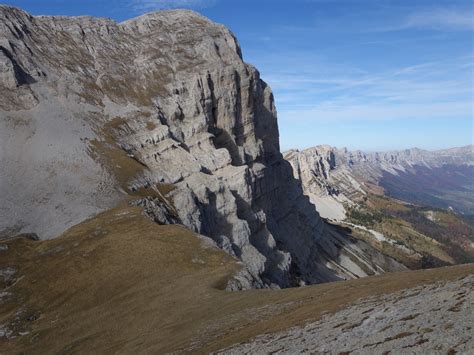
(398, 202)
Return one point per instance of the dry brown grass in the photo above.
(380, 203)
(399, 336)
(112, 157)
(151, 125)
(121, 283)
(91, 92)
(123, 167)
(403, 232)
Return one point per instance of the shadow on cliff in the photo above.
(291, 218)
(296, 226)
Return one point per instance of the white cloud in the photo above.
(152, 5)
(430, 90)
(392, 19)
(334, 112)
(438, 19)
(442, 18)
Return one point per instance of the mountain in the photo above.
(419, 176)
(142, 180)
(414, 204)
(163, 112)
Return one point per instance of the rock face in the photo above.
(163, 108)
(327, 184)
(332, 177)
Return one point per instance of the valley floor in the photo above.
(119, 283)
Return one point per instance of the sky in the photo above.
(361, 74)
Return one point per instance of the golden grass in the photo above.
(123, 167)
(113, 158)
(380, 203)
(121, 283)
(446, 219)
(91, 93)
(150, 125)
(401, 231)
(412, 261)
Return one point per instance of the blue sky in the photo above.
(365, 74)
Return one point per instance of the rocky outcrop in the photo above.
(325, 179)
(162, 108)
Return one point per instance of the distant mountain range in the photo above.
(331, 176)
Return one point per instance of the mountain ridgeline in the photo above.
(431, 178)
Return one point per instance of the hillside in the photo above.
(121, 283)
(426, 319)
(394, 200)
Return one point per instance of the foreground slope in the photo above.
(428, 319)
(121, 283)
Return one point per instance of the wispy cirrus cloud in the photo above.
(436, 19)
(152, 5)
(441, 18)
(431, 90)
(344, 111)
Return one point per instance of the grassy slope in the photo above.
(121, 283)
(447, 240)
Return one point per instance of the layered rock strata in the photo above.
(163, 108)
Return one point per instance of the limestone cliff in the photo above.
(163, 108)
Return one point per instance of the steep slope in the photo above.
(162, 108)
(121, 283)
